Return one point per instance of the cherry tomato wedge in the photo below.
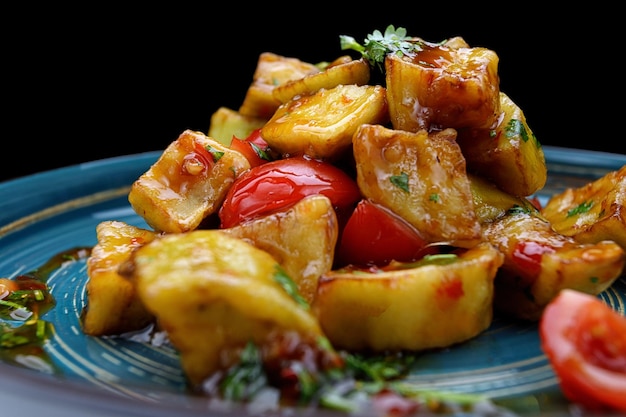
(527, 255)
(254, 148)
(277, 185)
(585, 341)
(374, 235)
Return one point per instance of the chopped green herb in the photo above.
(401, 181)
(581, 208)
(377, 45)
(31, 332)
(434, 197)
(436, 259)
(289, 286)
(245, 379)
(260, 152)
(379, 367)
(517, 209)
(217, 155)
(516, 127)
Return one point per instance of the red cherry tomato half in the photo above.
(374, 235)
(527, 255)
(585, 341)
(276, 185)
(254, 148)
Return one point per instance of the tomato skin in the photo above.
(585, 341)
(373, 235)
(527, 255)
(279, 184)
(254, 148)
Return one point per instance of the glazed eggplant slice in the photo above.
(593, 212)
(321, 125)
(539, 262)
(433, 303)
(187, 183)
(421, 177)
(509, 154)
(443, 85)
(492, 203)
(302, 239)
(344, 71)
(113, 306)
(271, 71)
(213, 294)
(226, 123)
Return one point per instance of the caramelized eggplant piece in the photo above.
(187, 183)
(226, 123)
(321, 125)
(302, 239)
(272, 70)
(113, 306)
(443, 85)
(539, 262)
(433, 303)
(355, 72)
(593, 212)
(422, 178)
(492, 203)
(509, 154)
(213, 294)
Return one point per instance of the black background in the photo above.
(85, 84)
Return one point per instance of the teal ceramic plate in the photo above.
(45, 214)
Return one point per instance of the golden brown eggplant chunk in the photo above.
(422, 178)
(508, 154)
(444, 85)
(212, 294)
(429, 304)
(302, 239)
(187, 183)
(321, 125)
(226, 123)
(113, 306)
(351, 72)
(539, 262)
(593, 212)
(272, 70)
(491, 203)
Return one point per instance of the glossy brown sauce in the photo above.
(24, 299)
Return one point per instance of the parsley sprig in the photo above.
(377, 45)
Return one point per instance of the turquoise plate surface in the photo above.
(44, 214)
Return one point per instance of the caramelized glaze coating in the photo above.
(442, 86)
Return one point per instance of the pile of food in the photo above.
(331, 216)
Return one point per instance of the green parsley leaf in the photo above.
(377, 45)
(401, 181)
(290, 287)
(434, 197)
(516, 127)
(436, 259)
(517, 209)
(245, 379)
(260, 152)
(581, 208)
(217, 155)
